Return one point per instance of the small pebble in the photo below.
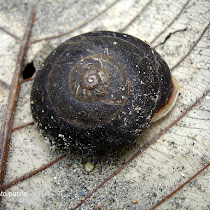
(81, 192)
(97, 208)
(134, 201)
(89, 166)
(202, 189)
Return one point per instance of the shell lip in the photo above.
(166, 108)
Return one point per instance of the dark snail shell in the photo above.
(98, 91)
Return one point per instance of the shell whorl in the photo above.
(91, 78)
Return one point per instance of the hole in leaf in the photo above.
(29, 70)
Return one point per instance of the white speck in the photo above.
(123, 97)
(114, 43)
(112, 95)
(207, 97)
(138, 108)
(125, 35)
(60, 135)
(55, 177)
(123, 88)
(137, 65)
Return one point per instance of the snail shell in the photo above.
(97, 91)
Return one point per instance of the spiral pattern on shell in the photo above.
(89, 80)
(99, 90)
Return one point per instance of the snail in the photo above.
(98, 91)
